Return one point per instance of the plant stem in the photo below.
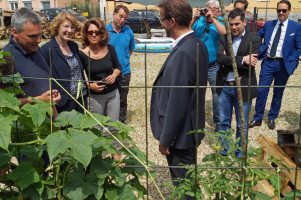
(57, 176)
(66, 171)
(26, 143)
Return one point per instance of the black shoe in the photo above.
(271, 124)
(255, 123)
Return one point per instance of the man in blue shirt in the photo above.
(122, 38)
(23, 44)
(208, 29)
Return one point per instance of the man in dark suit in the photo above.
(228, 96)
(280, 50)
(173, 110)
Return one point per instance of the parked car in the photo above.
(135, 20)
(53, 12)
(249, 17)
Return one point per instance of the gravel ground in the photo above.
(289, 116)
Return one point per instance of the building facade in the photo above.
(39, 4)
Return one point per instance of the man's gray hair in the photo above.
(22, 16)
(215, 2)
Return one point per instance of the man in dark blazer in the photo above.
(173, 110)
(280, 53)
(228, 95)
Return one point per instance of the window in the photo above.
(27, 4)
(151, 15)
(135, 14)
(45, 4)
(13, 5)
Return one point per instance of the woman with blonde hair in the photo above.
(102, 66)
(66, 63)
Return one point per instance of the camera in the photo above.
(203, 11)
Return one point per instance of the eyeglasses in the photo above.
(90, 33)
(161, 20)
(281, 10)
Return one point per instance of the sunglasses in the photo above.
(281, 10)
(93, 32)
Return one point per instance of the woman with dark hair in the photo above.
(66, 63)
(102, 67)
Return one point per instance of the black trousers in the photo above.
(177, 156)
(123, 92)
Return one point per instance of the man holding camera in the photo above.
(208, 28)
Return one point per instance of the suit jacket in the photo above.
(60, 66)
(243, 69)
(173, 110)
(291, 45)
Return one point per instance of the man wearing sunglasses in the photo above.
(280, 53)
(208, 29)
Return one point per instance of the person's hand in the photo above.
(164, 150)
(56, 96)
(95, 87)
(209, 16)
(197, 15)
(111, 79)
(254, 59)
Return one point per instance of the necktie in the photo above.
(276, 41)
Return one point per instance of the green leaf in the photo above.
(32, 151)
(24, 175)
(117, 193)
(140, 171)
(4, 53)
(9, 100)
(79, 142)
(34, 191)
(13, 78)
(5, 157)
(291, 194)
(274, 181)
(89, 121)
(104, 144)
(107, 167)
(14, 90)
(236, 184)
(138, 187)
(81, 186)
(5, 129)
(37, 111)
(49, 193)
(262, 196)
(72, 118)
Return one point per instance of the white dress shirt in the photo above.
(281, 40)
(235, 44)
(180, 38)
